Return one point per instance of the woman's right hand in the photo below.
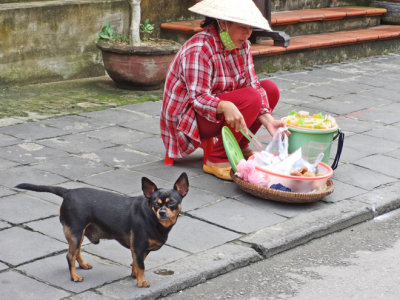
(233, 116)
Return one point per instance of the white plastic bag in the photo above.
(276, 151)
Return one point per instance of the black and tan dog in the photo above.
(140, 224)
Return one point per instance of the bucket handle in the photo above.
(340, 134)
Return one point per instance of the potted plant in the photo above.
(134, 62)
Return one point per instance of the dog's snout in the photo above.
(162, 212)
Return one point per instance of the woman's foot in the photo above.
(221, 170)
(247, 152)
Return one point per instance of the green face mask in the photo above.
(226, 39)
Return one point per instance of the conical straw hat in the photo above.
(239, 11)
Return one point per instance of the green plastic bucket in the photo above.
(302, 136)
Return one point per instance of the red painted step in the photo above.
(290, 17)
(331, 39)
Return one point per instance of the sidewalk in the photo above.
(220, 228)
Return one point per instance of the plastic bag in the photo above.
(275, 157)
(276, 150)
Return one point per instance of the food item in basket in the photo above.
(303, 171)
(303, 119)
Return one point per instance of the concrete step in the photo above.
(297, 22)
(318, 36)
(324, 48)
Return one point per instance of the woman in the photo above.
(211, 83)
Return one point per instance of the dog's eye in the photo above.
(171, 203)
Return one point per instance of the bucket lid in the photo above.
(232, 148)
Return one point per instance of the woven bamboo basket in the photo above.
(282, 196)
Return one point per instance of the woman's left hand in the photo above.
(271, 124)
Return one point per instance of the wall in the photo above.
(54, 40)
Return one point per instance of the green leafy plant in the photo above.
(146, 29)
(110, 35)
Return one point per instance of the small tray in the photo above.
(282, 196)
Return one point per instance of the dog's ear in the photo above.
(182, 184)
(148, 187)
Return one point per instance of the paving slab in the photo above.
(50, 227)
(6, 192)
(237, 216)
(194, 235)
(113, 116)
(124, 156)
(6, 164)
(74, 124)
(192, 165)
(112, 250)
(152, 108)
(29, 153)
(23, 246)
(75, 167)
(7, 140)
(217, 186)
(31, 131)
(54, 270)
(343, 105)
(3, 266)
(120, 180)
(147, 125)
(16, 286)
(287, 210)
(152, 145)
(4, 225)
(381, 163)
(390, 133)
(78, 143)
(344, 191)
(197, 198)
(118, 135)
(361, 177)
(381, 114)
(29, 174)
(369, 144)
(349, 124)
(21, 208)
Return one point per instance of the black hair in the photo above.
(209, 21)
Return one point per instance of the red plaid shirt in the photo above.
(201, 70)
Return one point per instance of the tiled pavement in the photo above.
(221, 227)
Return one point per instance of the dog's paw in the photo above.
(76, 278)
(143, 283)
(86, 266)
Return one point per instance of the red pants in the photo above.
(248, 101)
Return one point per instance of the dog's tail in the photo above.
(60, 191)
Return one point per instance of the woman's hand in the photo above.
(271, 124)
(233, 116)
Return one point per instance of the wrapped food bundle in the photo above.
(303, 119)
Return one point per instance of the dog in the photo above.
(140, 223)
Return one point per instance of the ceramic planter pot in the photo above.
(138, 67)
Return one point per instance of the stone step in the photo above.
(297, 22)
(318, 36)
(324, 48)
